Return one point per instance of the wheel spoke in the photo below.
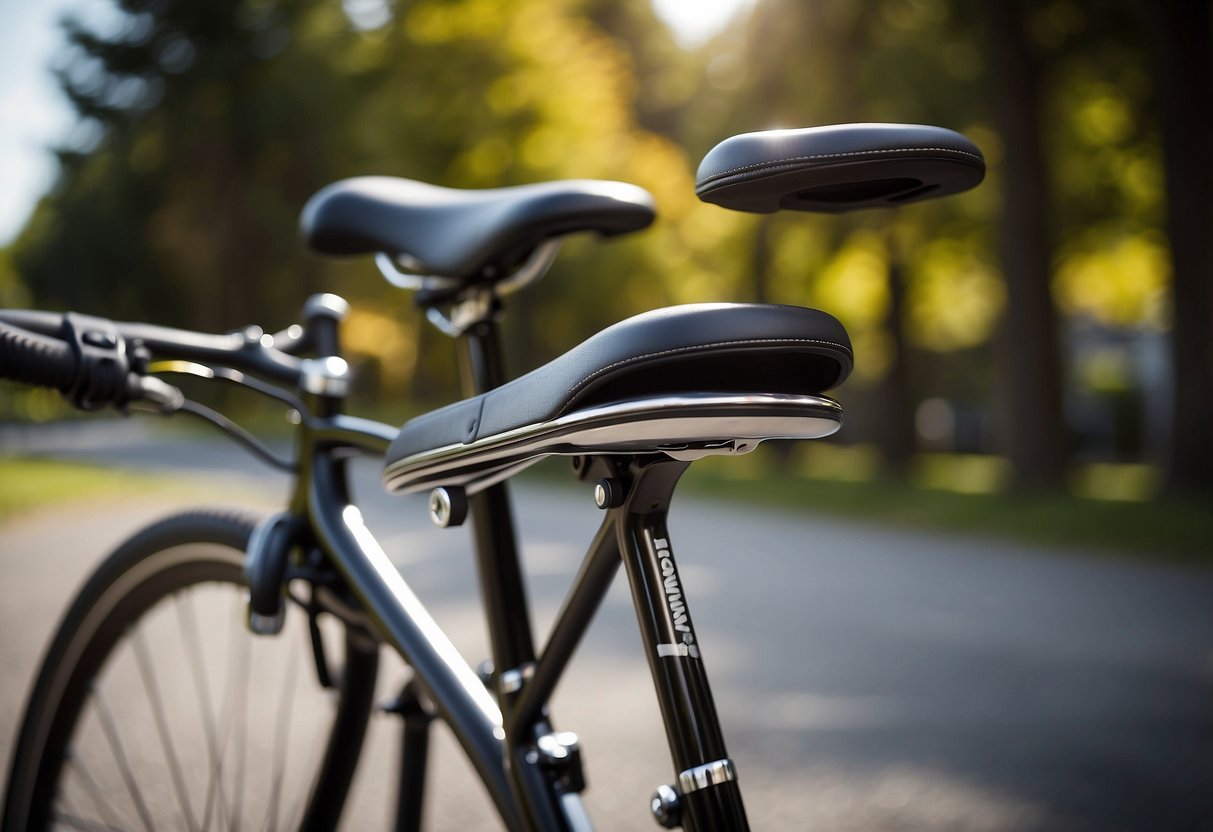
(148, 676)
(316, 753)
(69, 808)
(189, 632)
(95, 794)
(71, 816)
(238, 683)
(282, 734)
(73, 821)
(110, 728)
(136, 742)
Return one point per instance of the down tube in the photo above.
(460, 697)
(710, 797)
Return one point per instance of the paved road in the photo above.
(867, 678)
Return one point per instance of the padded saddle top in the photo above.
(693, 349)
(465, 234)
(841, 167)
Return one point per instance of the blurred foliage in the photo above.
(1120, 522)
(208, 126)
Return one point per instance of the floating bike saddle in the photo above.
(842, 167)
(686, 380)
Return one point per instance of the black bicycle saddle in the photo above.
(841, 167)
(753, 354)
(465, 234)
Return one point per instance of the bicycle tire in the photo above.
(91, 754)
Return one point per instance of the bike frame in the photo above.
(531, 772)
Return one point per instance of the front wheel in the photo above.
(155, 708)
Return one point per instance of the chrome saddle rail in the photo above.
(684, 426)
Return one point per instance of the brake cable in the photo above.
(251, 443)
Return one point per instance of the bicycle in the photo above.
(633, 407)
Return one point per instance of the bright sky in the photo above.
(694, 21)
(34, 116)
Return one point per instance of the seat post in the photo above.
(482, 366)
(501, 584)
(502, 588)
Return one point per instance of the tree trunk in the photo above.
(894, 428)
(1180, 31)
(1028, 363)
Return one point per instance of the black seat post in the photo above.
(502, 588)
(482, 364)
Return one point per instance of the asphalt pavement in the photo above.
(866, 677)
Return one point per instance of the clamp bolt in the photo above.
(561, 752)
(608, 493)
(448, 506)
(666, 805)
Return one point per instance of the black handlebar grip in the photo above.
(36, 359)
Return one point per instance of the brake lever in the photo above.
(103, 364)
(162, 396)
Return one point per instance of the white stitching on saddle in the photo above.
(789, 162)
(581, 384)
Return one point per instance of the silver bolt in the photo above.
(440, 507)
(448, 506)
(556, 747)
(666, 805)
(608, 493)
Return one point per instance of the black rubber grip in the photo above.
(36, 359)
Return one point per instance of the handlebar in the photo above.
(36, 359)
(97, 362)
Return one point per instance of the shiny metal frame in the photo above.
(504, 735)
(532, 772)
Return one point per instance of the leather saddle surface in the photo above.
(456, 233)
(695, 350)
(836, 168)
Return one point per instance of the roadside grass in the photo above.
(28, 483)
(972, 501)
(1124, 521)
(1107, 511)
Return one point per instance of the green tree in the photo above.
(801, 64)
(206, 116)
(1029, 356)
(235, 112)
(1181, 34)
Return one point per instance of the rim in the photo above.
(173, 716)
